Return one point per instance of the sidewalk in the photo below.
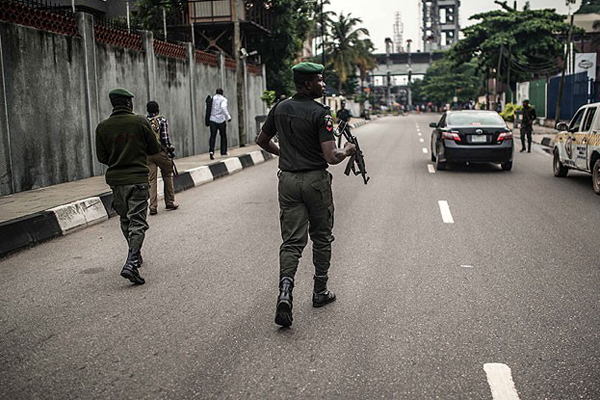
(541, 135)
(34, 216)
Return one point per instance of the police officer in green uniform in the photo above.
(307, 147)
(123, 143)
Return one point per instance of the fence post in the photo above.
(192, 63)
(7, 183)
(148, 44)
(85, 29)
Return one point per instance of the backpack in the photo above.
(155, 124)
(209, 101)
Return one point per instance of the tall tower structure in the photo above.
(398, 32)
(440, 23)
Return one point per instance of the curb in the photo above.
(67, 218)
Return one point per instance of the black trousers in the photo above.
(526, 131)
(222, 129)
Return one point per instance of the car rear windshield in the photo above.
(475, 119)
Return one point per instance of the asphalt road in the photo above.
(503, 301)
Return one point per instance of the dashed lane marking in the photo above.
(430, 168)
(419, 133)
(445, 210)
(500, 380)
(421, 140)
(424, 150)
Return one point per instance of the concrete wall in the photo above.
(54, 91)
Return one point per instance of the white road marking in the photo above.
(445, 210)
(424, 150)
(419, 133)
(421, 140)
(466, 266)
(430, 168)
(501, 382)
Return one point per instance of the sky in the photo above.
(378, 15)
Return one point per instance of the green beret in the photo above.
(308, 68)
(526, 100)
(120, 92)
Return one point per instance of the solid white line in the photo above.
(421, 140)
(445, 210)
(501, 382)
(424, 150)
(430, 168)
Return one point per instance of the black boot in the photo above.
(283, 316)
(130, 269)
(322, 296)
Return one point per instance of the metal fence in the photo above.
(575, 94)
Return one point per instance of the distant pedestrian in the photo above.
(219, 116)
(529, 116)
(343, 115)
(305, 130)
(123, 143)
(163, 160)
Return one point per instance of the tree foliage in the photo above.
(528, 39)
(346, 49)
(443, 81)
(589, 7)
(292, 22)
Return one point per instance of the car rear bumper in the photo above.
(496, 153)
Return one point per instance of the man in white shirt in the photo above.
(219, 116)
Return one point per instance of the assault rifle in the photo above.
(356, 163)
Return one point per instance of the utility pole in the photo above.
(565, 62)
(496, 94)
(128, 22)
(388, 93)
(323, 45)
(164, 13)
(508, 90)
(408, 42)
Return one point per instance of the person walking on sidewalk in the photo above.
(343, 115)
(305, 130)
(529, 117)
(123, 143)
(219, 116)
(163, 160)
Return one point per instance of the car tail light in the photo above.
(452, 135)
(505, 135)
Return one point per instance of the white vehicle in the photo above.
(577, 146)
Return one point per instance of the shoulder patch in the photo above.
(329, 123)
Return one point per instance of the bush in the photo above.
(269, 97)
(509, 111)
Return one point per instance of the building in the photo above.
(440, 24)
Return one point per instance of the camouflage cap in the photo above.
(308, 68)
(120, 92)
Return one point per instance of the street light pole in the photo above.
(323, 45)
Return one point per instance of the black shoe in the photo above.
(283, 315)
(321, 299)
(522, 150)
(212, 155)
(130, 269)
(153, 211)
(224, 154)
(529, 151)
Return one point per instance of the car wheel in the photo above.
(507, 166)
(596, 177)
(440, 166)
(559, 169)
(432, 156)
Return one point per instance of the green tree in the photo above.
(589, 7)
(341, 48)
(291, 25)
(148, 14)
(443, 81)
(526, 40)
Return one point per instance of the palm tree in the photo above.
(320, 24)
(342, 49)
(364, 56)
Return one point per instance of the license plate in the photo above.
(479, 139)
